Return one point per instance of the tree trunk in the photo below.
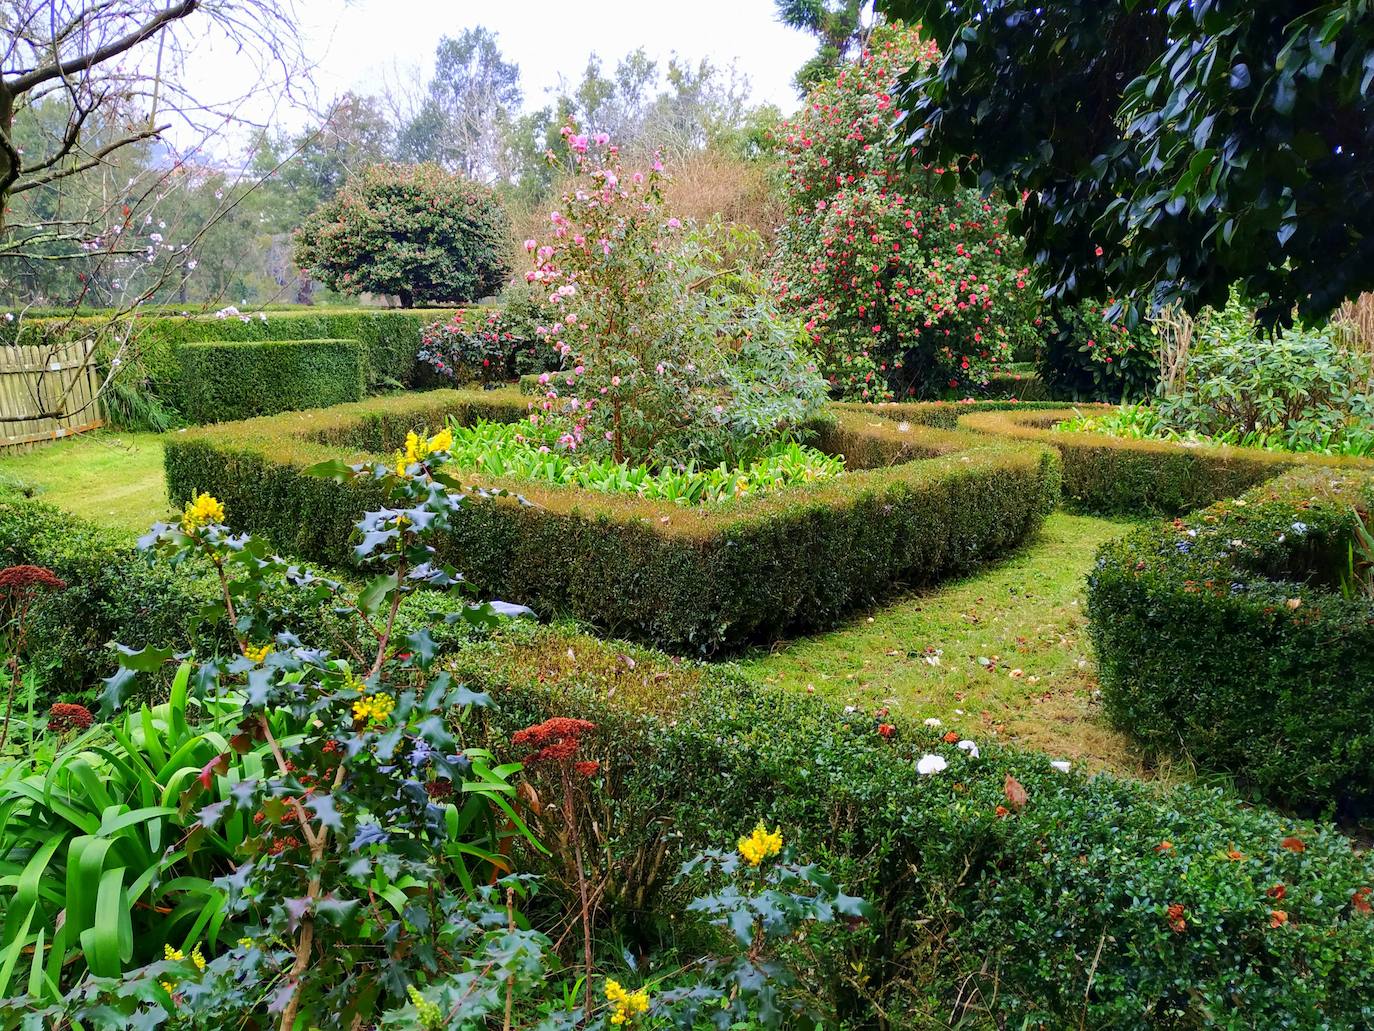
(407, 298)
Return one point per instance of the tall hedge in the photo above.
(914, 506)
(1052, 913)
(1226, 636)
(224, 381)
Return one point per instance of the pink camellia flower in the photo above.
(601, 139)
(615, 381)
(531, 244)
(674, 223)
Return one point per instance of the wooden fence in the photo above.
(47, 392)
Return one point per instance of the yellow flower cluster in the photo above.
(172, 955)
(204, 511)
(759, 845)
(256, 653)
(176, 956)
(419, 448)
(431, 1014)
(374, 707)
(625, 1005)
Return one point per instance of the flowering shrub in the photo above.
(414, 231)
(1086, 356)
(493, 345)
(355, 814)
(528, 452)
(907, 289)
(677, 353)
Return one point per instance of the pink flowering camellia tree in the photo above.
(907, 288)
(674, 352)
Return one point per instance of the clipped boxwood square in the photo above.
(917, 503)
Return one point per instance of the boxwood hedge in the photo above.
(1053, 914)
(389, 339)
(1113, 475)
(223, 381)
(916, 504)
(1226, 635)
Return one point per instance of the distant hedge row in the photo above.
(1095, 903)
(915, 505)
(222, 381)
(388, 338)
(1227, 635)
(1114, 475)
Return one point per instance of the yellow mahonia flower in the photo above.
(256, 653)
(759, 845)
(430, 1013)
(168, 986)
(198, 959)
(625, 1005)
(401, 465)
(245, 943)
(374, 707)
(204, 511)
(441, 441)
(170, 953)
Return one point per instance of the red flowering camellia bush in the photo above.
(908, 288)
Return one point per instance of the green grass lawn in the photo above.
(1003, 653)
(111, 478)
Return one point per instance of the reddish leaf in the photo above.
(1016, 794)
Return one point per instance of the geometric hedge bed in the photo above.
(915, 504)
(1110, 475)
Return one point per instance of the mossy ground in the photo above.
(1002, 653)
(110, 478)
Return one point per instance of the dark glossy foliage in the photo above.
(1167, 150)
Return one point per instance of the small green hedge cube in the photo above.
(225, 381)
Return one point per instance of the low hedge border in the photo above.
(1055, 914)
(223, 381)
(1225, 635)
(1114, 475)
(918, 504)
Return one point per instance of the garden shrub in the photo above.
(1086, 357)
(414, 231)
(1115, 475)
(1094, 902)
(493, 345)
(915, 505)
(224, 381)
(113, 594)
(1226, 635)
(907, 288)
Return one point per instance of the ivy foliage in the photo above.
(1166, 150)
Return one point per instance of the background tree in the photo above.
(1165, 151)
(472, 98)
(840, 27)
(414, 231)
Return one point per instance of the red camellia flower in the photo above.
(886, 729)
(1174, 916)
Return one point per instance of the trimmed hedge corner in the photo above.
(1054, 913)
(916, 505)
(223, 381)
(1226, 635)
(1113, 475)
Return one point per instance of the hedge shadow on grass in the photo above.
(918, 503)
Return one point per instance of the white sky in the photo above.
(357, 44)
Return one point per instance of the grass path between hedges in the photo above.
(114, 479)
(1002, 653)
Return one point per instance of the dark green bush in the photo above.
(1054, 915)
(1086, 358)
(916, 505)
(222, 382)
(1225, 635)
